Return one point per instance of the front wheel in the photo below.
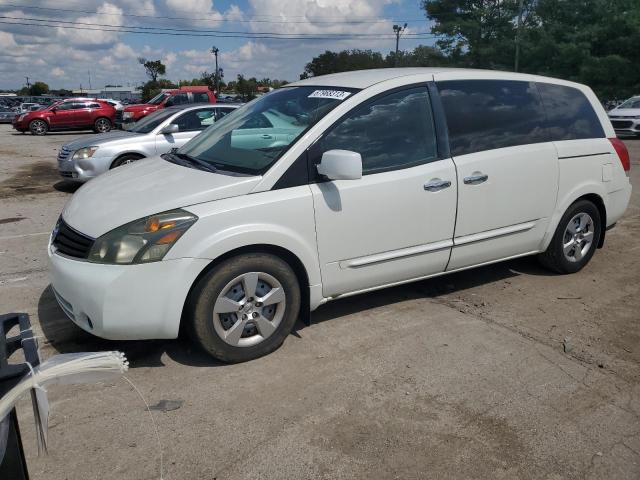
(38, 127)
(575, 239)
(245, 307)
(102, 125)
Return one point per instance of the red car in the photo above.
(166, 98)
(71, 114)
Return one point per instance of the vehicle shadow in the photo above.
(64, 336)
(66, 186)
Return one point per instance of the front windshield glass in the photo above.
(252, 138)
(150, 122)
(631, 103)
(157, 100)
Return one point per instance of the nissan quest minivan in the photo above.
(334, 186)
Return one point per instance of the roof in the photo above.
(365, 78)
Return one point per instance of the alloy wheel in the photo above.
(249, 309)
(103, 125)
(38, 127)
(578, 237)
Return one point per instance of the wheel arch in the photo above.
(288, 256)
(123, 154)
(593, 197)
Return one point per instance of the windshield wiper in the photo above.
(201, 164)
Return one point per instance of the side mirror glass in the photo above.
(340, 165)
(169, 129)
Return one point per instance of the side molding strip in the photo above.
(395, 254)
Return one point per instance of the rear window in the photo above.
(489, 114)
(570, 115)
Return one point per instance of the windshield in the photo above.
(257, 134)
(158, 99)
(631, 103)
(150, 122)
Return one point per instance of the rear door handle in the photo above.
(436, 184)
(475, 178)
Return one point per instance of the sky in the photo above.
(69, 57)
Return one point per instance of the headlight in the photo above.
(145, 240)
(127, 114)
(86, 152)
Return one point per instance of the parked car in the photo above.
(625, 118)
(394, 175)
(6, 115)
(70, 114)
(158, 133)
(166, 98)
(28, 107)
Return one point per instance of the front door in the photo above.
(396, 222)
(189, 124)
(507, 169)
(64, 115)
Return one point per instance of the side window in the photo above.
(570, 115)
(200, 97)
(221, 112)
(178, 99)
(392, 132)
(194, 120)
(94, 105)
(487, 114)
(65, 106)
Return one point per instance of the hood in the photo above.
(624, 112)
(144, 188)
(138, 107)
(97, 140)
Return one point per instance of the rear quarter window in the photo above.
(489, 114)
(569, 113)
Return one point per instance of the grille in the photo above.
(64, 154)
(71, 243)
(621, 123)
(66, 174)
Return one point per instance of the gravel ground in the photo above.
(464, 376)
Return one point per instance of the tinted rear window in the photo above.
(488, 114)
(570, 115)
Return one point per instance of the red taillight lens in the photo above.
(623, 153)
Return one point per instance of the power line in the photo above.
(200, 31)
(222, 34)
(255, 18)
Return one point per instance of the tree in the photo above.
(153, 68)
(346, 60)
(38, 88)
(247, 88)
(153, 88)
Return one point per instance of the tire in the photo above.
(575, 240)
(102, 125)
(235, 327)
(38, 127)
(125, 159)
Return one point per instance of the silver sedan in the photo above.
(158, 133)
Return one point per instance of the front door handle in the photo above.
(475, 178)
(435, 184)
(266, 136)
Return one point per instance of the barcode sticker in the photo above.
(335, 94)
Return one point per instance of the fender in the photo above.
(566, 200)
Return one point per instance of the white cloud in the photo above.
(110, 14)
(234, 13)
(57, 72)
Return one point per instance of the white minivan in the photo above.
(337, 185)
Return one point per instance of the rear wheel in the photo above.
(575, 239)
(245, 307)
(38, 127)
(102, 125)
(125, 160)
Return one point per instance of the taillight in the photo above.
(623, 153)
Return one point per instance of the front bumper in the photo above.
(626, 126)
(124, 302)
(84, 169)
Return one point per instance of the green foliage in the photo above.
(589, 41)
(38, 88)
(344, 61)
(247, 88)
(153, 68)
(153, 88)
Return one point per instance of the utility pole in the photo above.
(215, 51)
(397, 29)
(89, 73)
(28, 84)
(517, 59)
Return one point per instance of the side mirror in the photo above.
(169, 129)
(340, 165)
(54, 109)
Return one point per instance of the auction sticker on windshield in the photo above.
(335, 94)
